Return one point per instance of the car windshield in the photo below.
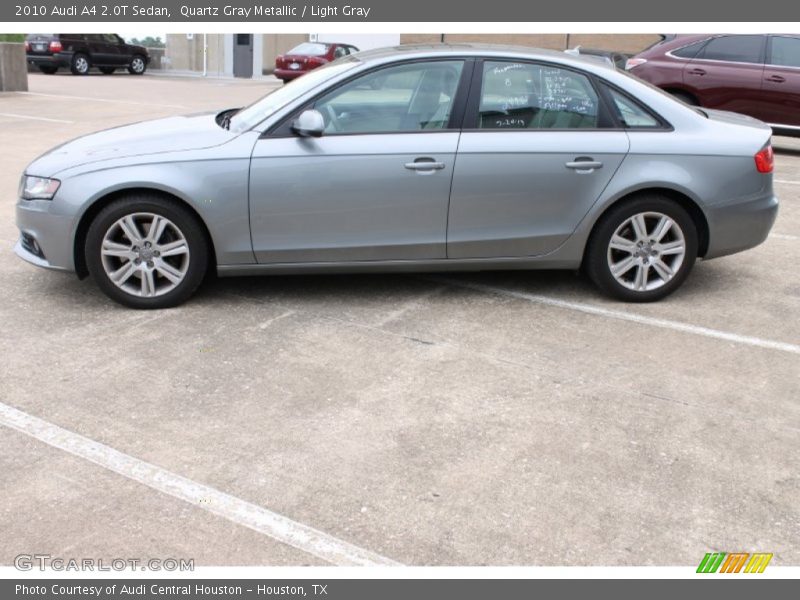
(309, 49)
(252, 115)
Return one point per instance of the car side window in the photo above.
(689, 51)
(734, 48)
(412, 97)
(533, 96)
(784, 52)
(630, 113)
(339, 52)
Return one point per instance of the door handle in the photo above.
(424, 164)
(776, 79)
(585, 165)
(697, 72)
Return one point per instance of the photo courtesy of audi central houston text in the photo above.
(462, 301)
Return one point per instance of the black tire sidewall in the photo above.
(181, 217)
(596, 262)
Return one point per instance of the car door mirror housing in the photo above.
(310, 123)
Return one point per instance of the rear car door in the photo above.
(781, 87)
(536, 152)
(726, 74)
(376, 184)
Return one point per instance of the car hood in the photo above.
(172, 134)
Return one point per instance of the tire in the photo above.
(685, 98)
(48, 70)
(648, 271)
(107, 70)
(80, 64)
(147, 277)
(138, 65)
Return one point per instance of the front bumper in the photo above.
(45, 237)
(741, 225)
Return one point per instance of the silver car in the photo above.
(457, 157)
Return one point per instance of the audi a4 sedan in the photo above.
(424, 158)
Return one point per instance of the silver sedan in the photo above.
(409, 159)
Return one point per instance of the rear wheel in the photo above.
(107, 70)
(146, 252)
(48, 70)
(138, 65)
(80, 64)
(642, 250)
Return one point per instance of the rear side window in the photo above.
(734, 48)
(785, 52)
(531, 96)
(689, 51)
(630, 113)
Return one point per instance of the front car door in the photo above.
(726, 74)
(535, 154)
(781, 87)
(376, 184)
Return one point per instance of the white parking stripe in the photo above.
(786, 181)
(93, 99)
(784, 236)
(278, 527)
(15, 116)
(627, 316)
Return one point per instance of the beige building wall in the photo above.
(184, 54)
(621, 42)
(278, 43)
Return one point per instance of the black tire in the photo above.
(685, 98)
(598, 252)
(107, 70)
(138, 65)
(80, 64)
(48, 70)
(186, 222)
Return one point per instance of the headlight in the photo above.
(38, 188)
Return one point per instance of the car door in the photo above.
(726, 74)
(375, 185)
(121, 51)
(781, 86)
(535, 153)
(100, 50)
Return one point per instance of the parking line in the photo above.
(236, 510)
(92, 99)
(626, 316)
(15, 116)
(787, 181)
(784, 236)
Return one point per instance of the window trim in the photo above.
(604, 113)
(283, 128)
(769, 52)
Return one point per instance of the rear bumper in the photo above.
(49, 60)
(739, 226)
(287, 74)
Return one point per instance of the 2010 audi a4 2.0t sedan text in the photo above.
(409, 159)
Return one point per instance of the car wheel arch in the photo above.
(683, 200)
(98, 204)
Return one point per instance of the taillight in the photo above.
(316, 61)
(279, 60)
(634, 62)
(55, 46)
(765, 160)
(27, 46)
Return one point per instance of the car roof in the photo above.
(411, 51)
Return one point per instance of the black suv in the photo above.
(81, 51)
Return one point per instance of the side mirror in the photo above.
(309, 124)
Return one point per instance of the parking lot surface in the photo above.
(507, 418)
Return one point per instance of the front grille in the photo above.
(31, 245)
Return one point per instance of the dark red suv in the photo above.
(307, 56)
(756, 75)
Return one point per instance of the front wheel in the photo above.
(137, 66)
(146, 252)
(642, 250)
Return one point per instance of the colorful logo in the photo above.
(734, 562)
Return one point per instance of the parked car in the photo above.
(79, 52)
(756, 75)
(309, 55)
(607, 57)
(458, 158)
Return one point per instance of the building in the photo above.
(253, 55)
